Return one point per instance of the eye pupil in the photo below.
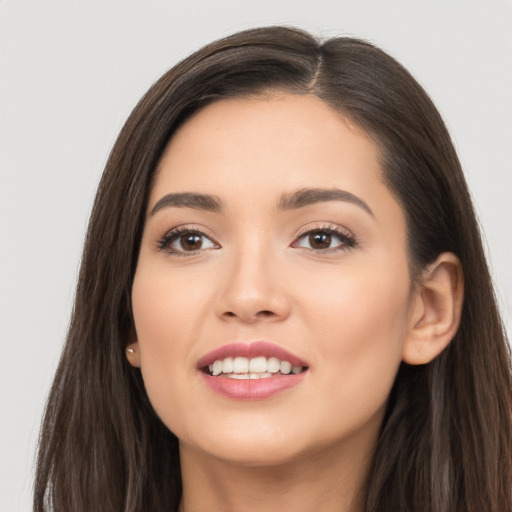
(320, 240)
(191, 242)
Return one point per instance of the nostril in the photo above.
(265, 313)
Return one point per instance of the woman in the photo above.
(283, 301)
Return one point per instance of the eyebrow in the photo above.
(308, 196)
(189, 200)
(299, 199)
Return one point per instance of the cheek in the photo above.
(360, 324)
(168, 317)
(363, 317)
(167, 307)
(152, 307)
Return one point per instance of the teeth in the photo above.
(247, 376)
(227, 365)
(241, 365)
(258, 365)
(273, 365)
(217, 368)
(254, 368)
(286, 367)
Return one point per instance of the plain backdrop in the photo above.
(71, 71)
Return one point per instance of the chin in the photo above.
(253, 454)
(258, 445)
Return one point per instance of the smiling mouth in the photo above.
(251, 371)
(244, 368)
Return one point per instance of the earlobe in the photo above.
(436, 311)
(133, 354)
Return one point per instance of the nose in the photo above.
(252, 290)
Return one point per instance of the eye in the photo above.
(185, 240)
(325, 240)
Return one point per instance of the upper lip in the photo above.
(249, 350)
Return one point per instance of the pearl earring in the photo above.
(130, 350)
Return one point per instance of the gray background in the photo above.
(71, 71)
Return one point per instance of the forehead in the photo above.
(281, 141)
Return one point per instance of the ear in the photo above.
(133, 354)
(436, 311)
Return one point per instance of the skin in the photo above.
(350, 311)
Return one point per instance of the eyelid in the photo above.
(169, 236)
(345, 236)
(324, 226)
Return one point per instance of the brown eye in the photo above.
(191, 242)
(325, 240)
(186, 241)
(320, 240)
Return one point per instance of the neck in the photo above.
(330, 480)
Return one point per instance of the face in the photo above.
(272, 294)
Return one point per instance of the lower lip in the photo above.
(251, 389)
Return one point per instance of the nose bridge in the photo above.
(252, 288)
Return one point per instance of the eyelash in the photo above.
(164, 244)
(347, 240)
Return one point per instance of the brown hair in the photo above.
(445, 443)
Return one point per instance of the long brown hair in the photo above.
(445, 443)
